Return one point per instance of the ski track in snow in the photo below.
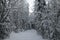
(27, 35)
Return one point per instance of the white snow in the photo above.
(27, 35)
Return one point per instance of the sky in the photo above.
(31, 5)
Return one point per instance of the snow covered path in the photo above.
(27, 35)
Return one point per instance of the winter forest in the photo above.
(29, 20)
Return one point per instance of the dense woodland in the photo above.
(14, 16)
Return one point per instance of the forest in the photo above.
(45, 18)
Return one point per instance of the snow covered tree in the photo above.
(55, 8)
(47, 16)
(39, 11)
(19, 13)
(4, 27)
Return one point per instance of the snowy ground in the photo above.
(27, 35)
